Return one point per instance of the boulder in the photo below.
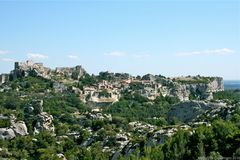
(61, 156)
(44, 122)
(121, 137)
(7, 133)
(20, 128)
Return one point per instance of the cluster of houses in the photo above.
(109, 91)
(101, 93)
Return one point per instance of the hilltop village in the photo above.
(107, 87)
(66, 113)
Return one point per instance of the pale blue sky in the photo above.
(171, 38)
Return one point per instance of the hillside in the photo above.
(66, 113)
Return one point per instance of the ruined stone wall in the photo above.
(74, 72)
(4, 78)
(23, 69)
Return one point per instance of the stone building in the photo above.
(70, 72)
(4, 78)
(23, 69)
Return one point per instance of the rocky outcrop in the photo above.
(16, 128)
(20, 128)
(7, 133)
(44, 122)
(121, 140)
(186, 92)
(61, 156)
(224, 111)
(190, 110)
(98, 116)
(43, 119)
(198, 89)
(142, 127)
(216, 84)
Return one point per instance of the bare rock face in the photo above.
(201, 91)
(16, 128)
(44, 122)
(190, 110)
(216, 84)
(20, 128)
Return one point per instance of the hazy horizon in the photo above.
(175, 38)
